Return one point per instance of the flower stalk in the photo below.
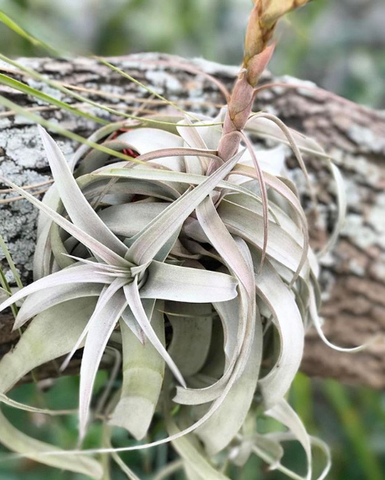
(258, 51)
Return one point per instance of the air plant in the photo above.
(192, 259)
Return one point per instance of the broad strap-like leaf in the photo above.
(238, 323)
(180, 434)
(78, 274)
(129, 219)
(134, 302)
(43, 254)
(157, 175)
(51, 335)
(191, 455)
(152, 238)
(103, 300)
(223, 242)
(233, 316)
(219, 390)
(285, 223)
(143, 372)
(48, 297)
(283, 412)
(96, 341)
(282, 189)
(184, 284)
(77, 207)
(193, 139)
(160, 140)
(287, 319)
(191, 335)
(223, 426)
(249, 226)
(270, 126)
(34, 449)
(130, 321)
(264, 197)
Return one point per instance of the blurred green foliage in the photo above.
(350, 420)
(322, 43)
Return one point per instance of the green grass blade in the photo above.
(22, 87)
(7, 289)
(11, 264)
(8, 22)
(3, 280)
(354, 430)
(302, 399)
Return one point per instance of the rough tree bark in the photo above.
(353, 276)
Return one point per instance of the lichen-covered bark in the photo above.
(353, 276)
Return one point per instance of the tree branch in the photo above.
(353, 277)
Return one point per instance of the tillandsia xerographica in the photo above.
(192, 259)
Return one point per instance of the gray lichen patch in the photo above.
(47, 89)
(378, 271)
(377, 218)
(22, 158)
(18, 227)
(360, 234)
(367, 172)
(162, 81)
(24, 149)
(366, 139)
(357, 268)
(5, 123)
